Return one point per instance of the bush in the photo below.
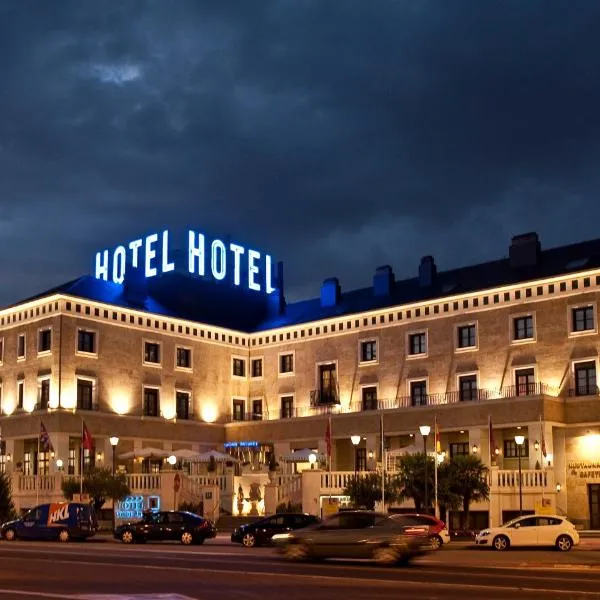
(196, 508)
(7, 508)
(288, 508)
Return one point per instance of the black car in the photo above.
(261, 532)
(174, 525)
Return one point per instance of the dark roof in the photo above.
(180, 296)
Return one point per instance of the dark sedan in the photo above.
(261, 532)
(181, 526)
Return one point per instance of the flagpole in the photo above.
(542, 444)
(37, 466)
(382, 465)
(81, 464)
(435, 470)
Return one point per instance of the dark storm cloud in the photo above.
(340, 135)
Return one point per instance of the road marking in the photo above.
(34, 594)
(338, 581)
(97, 596)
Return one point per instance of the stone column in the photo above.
(311, 492)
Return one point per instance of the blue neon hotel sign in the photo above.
(244, 267)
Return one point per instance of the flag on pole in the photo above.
(438, 443)
(45, 441)
(87, 441)
(544, 453)
(491, 438)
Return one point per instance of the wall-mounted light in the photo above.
(59, 464)
(172, 460)
(536, 445)
(549, 458)
(558, 487)
(496, 451)
(312, 459)
(371, 454)
(475, 449)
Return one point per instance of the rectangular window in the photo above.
(43, 463)
(257, 365)
(152, 353)
(525, 382)
(86, 341)
(523, 328)
(89, 459)
(27, 463)
(20, 393)
(368, 351)
(585, 379)
(467, 388)
(467, 336)
(361, 459)
(45, 340)
(182, 405)
(184, 358)
(287, 407)
(239, 410)
(417, 343)
(21, 346)
(286, 363)
(369, 398)
(583, 318)
(418, 393)
(239, 367)
(85, 394)
(151, 399)
(511, 449)
(1, 350)
(459, 449)
(44, 394)
(257, 413)
(71, 463)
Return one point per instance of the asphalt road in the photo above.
(33, 570)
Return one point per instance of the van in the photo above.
(57, 521)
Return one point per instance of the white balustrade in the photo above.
(530, 478)
(144, 482)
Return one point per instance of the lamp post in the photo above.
(425, 429)
(114, 441)
(519, 440)
(312, 459)
(355, 439)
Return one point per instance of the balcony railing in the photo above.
(324, 398)
(584, 390)
(508, 480)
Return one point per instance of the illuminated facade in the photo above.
(180, 362)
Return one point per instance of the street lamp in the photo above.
(312, 459)
(355, 439)
(172, 460)
(59, 464)
(425, 429)
(114, 441)
(519, 440)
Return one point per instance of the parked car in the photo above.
(531, 530)
(260, 532)
(61, 521)
(434, 528)
(174, 525)
(354, 534)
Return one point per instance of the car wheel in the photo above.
(249, 540)
(297, 552)
(127, 537)
(187, 538)
(501, 543)
(436, 542)
(564, 543)
(10, 535)
(63, 536)
(385, 555)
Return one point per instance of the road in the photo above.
(78, 571)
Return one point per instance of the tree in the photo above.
(365, 490)
(100, 484)
(410, 479)
(448, 499)
(7, 508)
(467, 479)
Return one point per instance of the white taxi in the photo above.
(531, 530)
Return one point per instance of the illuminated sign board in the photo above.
(216, 259)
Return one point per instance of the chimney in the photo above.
(383, 281)
(330, 292)
(524, 250)
(427, 272)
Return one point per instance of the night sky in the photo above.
(339, 135)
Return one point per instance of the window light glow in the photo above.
(209, 412)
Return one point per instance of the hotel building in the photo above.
(181, 362)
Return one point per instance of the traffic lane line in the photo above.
(337, 582)
(334, 569)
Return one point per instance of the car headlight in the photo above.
(281, 536)
(484, 533)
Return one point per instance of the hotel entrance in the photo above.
(594, 496)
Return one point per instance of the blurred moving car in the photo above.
(174, 525)
(531, 530)
(60, 521)
(260, 532)
(433, 527)
(355, 534)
